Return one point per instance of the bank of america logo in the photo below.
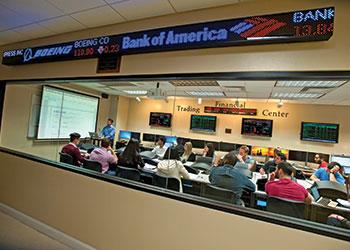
(256, 27)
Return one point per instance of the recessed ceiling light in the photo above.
(135, 92)
(310, 84)
(205, 93)
(297, 95)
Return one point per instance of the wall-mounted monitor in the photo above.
(203, 123)
(319, 132)
(160, 119)
(256, 127)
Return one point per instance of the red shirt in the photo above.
(323, 164)
(286, 189)
(73, 151)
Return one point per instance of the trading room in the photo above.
(193, 124)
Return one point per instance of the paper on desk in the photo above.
(344, 203)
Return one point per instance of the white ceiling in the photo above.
(29, 19)
(252, 90)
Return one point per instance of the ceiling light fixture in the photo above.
(297, 95)
(309, 84)
(205, 93)
(138, 99)
(135, 92)
(280, 104)
(199, 101)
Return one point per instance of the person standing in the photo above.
(109, 132)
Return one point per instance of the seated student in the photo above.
(209, 151)
(160, 149)
(172, 167)
(243, 157)
(104, 155)
(320, 159)
(231, 178)
(73, 150)
(188, 155)
(331, 173)
(131, 157)
(270, 166)
(285, 187)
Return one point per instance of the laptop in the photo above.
(321, 200)
(203, 159)
(93, 135)
(260, 183)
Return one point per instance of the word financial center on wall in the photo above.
(297, 26)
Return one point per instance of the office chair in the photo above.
(331, 190)
(128, 173)
(66, 158)
(92, 165)
(219, 194)
(291, 208)
(166, 182)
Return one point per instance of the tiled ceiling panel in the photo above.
(62, 24)
(97, 17)
(34, 30)
(70, 6)
(186, 5)
(138, 9)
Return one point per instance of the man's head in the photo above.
(109, 122)
(230, 159)
(276, 151)
(284, 169)
(161, 141)
(319, 158)
(243, 151)
(334, 167)
(74, 138)
(105, 143)
(280, 157)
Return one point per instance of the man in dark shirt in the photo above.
(231, 178)
(270, 166)
(320, 159)
(73, 150)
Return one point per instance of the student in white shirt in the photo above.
(160, 149)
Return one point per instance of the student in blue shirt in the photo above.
(331, 173)
(108, 132)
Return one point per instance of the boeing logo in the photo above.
(55, 51)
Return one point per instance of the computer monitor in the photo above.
(297, 155)
(124, 135)
(215, 144)
(315, 193)
(149, 137)
(226, 147)
(170, 139)
(197, 143)
(344, 161)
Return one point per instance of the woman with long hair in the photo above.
(131, 156)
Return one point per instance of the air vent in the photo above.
(184, 83)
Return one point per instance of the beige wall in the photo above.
(108, 216)
(16, 114)
(327, 55)
(286, 131)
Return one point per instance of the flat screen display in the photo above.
(319, 132)
(136, 135)
(149, 137)
(197, 143)
(256, 127)
(203, 123)
(124, 135)
(297, 155)
(63, 112)
(160, 119)
(170, 139)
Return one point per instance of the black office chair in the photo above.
(128, 173)
(166, 182)
(92, 165)
(66, 158)
(291, 208)
(219, 194)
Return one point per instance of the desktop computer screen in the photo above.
(124, 135)
(197, 143)
(344, 161)
(149, 137)
(170, 139)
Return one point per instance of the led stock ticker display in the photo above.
(297, 26)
